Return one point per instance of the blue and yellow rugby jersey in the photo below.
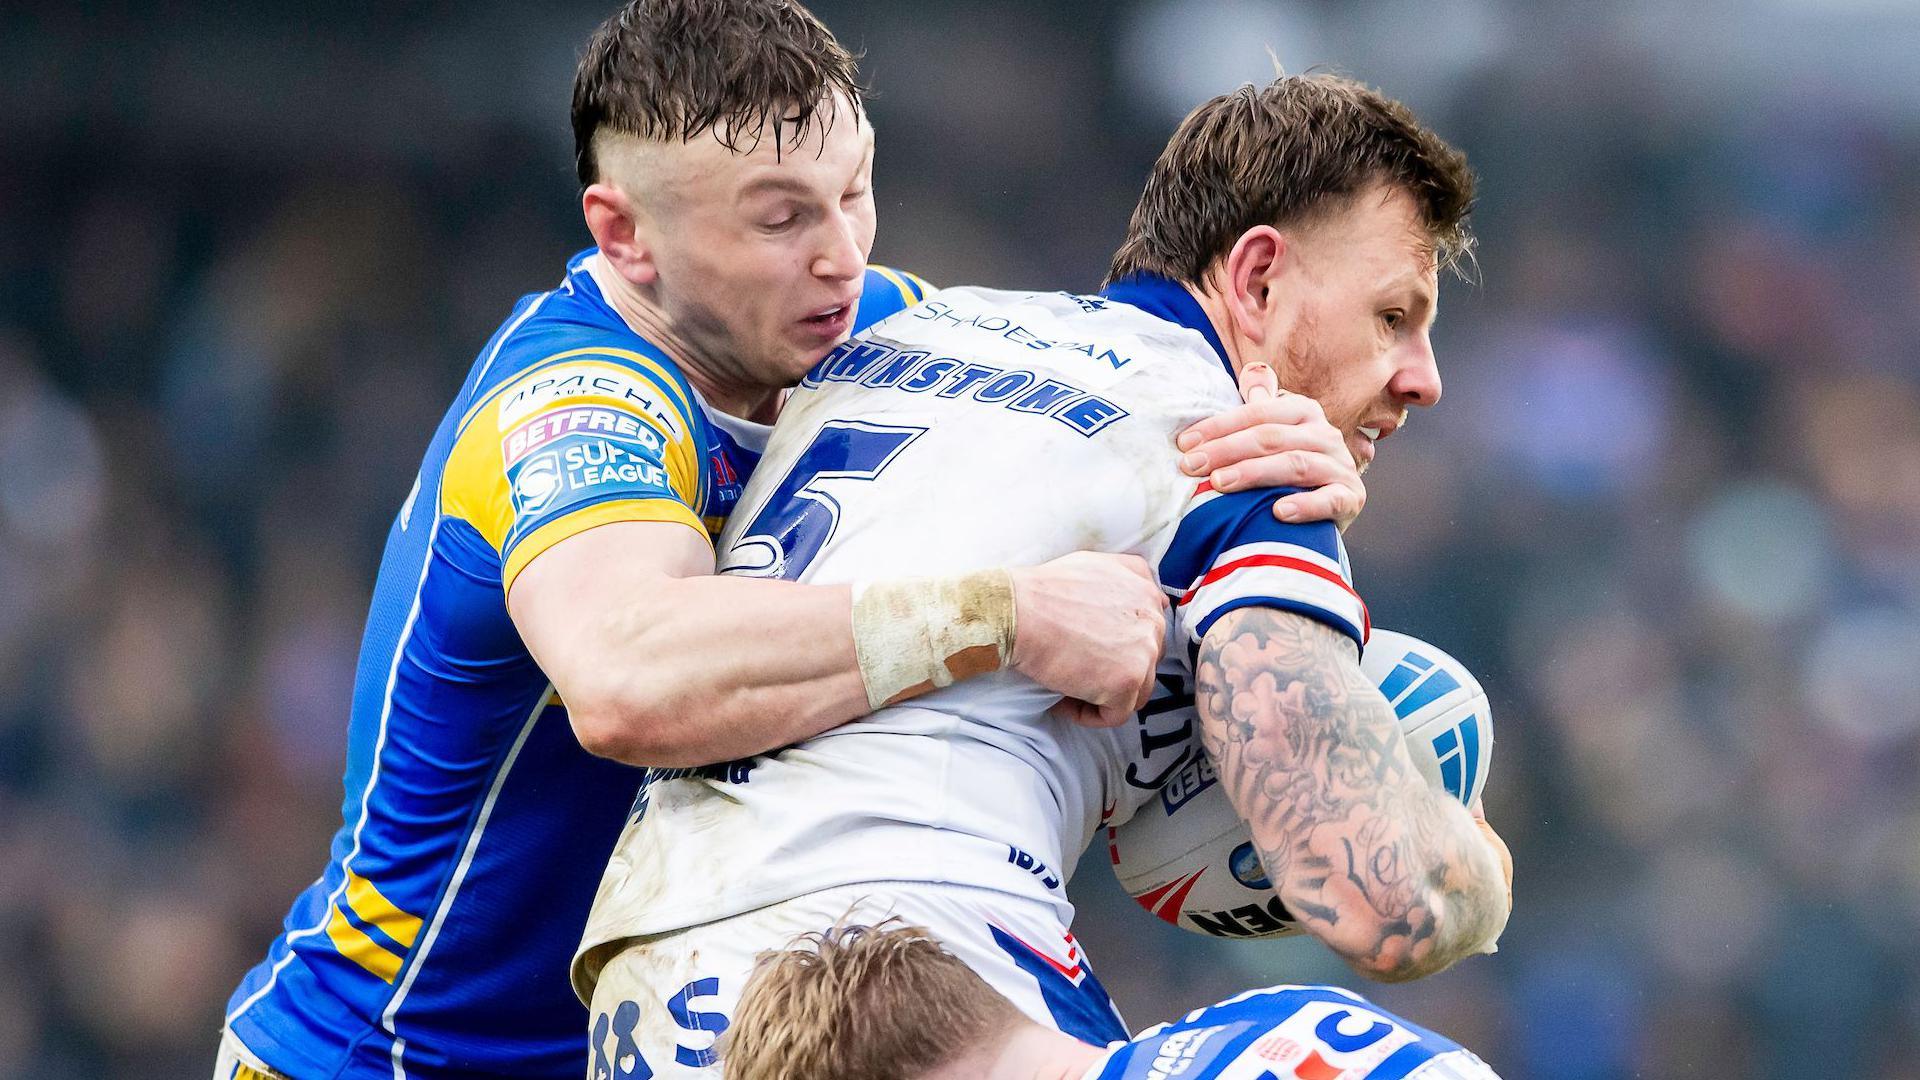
(474, 826)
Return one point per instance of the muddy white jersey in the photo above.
(978, 429)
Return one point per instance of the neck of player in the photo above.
(1027, 1052)
(748, 401)
(1215, 306)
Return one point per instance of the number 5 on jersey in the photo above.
(800, 516)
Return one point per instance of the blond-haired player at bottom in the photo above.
(889, 1002)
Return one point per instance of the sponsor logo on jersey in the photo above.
(582, 463)
(594, 420)
(537, 483)
(588, 379)
(1178, 1053)
(1277, 1047)
(592, 462)
(940, 313)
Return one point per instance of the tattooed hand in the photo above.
(1392, 874)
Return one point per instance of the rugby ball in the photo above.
(1187, 857)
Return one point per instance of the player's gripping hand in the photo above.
(1277, 440)
(1090, 626)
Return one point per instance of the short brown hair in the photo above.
(674, 69)
(882, 1002)
(1276, 155)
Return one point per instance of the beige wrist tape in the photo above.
(920, 634)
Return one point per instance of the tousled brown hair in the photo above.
(1280, 154)
(884, 1002)
(671, 70)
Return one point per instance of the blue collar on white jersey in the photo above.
(1170, 300)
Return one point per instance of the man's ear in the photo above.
(614, 222)
(1252, 267)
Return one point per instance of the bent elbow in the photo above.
(626, 729)
(601, 734)
(654, 730)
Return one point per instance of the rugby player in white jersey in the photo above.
(1299, 226)
(547, 612)
(889, 1003)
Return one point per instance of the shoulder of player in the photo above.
(567, 322)
(886, 292)
(557, 353)
(894, 283)
(1121, 334)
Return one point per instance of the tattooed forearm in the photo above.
(1389, 872)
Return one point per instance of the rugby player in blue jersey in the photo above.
(546, 615)
(1303, 224)
(891, 1003)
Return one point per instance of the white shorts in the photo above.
(665, 1000)
(236, 1062)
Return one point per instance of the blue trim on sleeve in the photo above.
(1298, 607)
(1233, 519)
(1170, 300)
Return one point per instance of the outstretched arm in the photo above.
(1392, 874)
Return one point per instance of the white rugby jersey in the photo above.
(977, 429)
(1296, 1032)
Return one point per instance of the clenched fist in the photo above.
(1090, 626)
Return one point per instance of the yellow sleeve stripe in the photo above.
(606, 513)
(376, 910)
(906, 290)
(355, 945)
(919, 283)
(650, 367)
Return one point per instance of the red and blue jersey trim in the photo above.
(1229, 552)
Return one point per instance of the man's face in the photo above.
(761, 255)
(1356, 306)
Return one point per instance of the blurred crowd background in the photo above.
(1669, 509)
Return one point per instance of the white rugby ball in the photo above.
(1187, 857)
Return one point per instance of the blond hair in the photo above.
(884, 1002)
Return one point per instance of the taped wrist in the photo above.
(920, 634)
